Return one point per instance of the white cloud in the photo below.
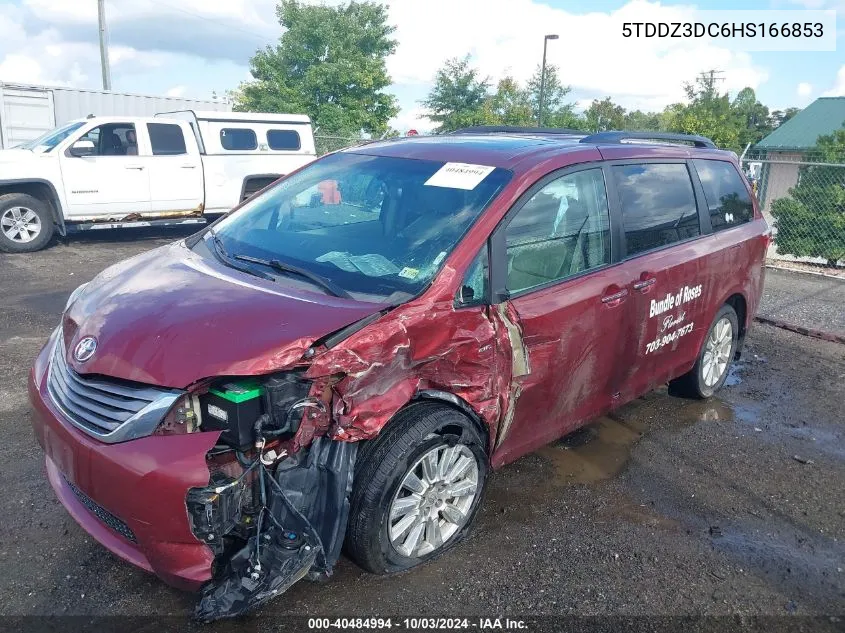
(176, 91)
(591, 53)
(54, 41)
(804, 89)
(412, 118)
(838, 89)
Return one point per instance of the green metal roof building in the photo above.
(823, 116)
(785, 150)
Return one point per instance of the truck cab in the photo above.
(115, 172)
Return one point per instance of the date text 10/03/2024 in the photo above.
(420, 624)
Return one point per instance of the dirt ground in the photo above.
(668, 506)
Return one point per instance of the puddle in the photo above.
(594, 453)
(720, 411)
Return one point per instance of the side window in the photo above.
(166, 139)
(283, 139)
(113, 139)
(658, 205)
(474, 288)
(727, 198)
(238, 139)
(564, 229)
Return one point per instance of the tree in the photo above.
(779, 117)
(556, 111)
(707, 113)
(510, 104)
(811, 221)
(638, 121)
(459, 97)
(753, 117)
(604, 115)
(329, 64)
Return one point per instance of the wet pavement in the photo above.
(667, 506)
(810, 301)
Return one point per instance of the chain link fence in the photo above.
(802, 194)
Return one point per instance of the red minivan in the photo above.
(340, 361)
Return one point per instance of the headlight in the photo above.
(74, 295)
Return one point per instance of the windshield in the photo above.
(373, 226)
(46, 142)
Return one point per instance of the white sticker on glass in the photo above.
(459, 176)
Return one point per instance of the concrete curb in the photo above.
(798, 271)
(799, 329)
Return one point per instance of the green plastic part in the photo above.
(239, 391)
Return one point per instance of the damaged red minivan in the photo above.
(343, 359)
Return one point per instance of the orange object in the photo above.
(329, 192)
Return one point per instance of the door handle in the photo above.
(616, 298)
(644, 283)
(139, 167)
(189, 166)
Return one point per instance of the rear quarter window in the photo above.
(658, 205)
(728, 202)
(283, 140)
(238, 139)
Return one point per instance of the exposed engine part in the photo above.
(216, 510)
(299, 531)
(282, 393)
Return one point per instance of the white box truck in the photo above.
(120, 171)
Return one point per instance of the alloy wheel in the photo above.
(717, 352)
(434, 500)
(20, 224)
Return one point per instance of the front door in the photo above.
(572, 305)
(110, 182)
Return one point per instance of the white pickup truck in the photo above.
(114, 172)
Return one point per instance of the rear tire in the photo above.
(26, 223)
(710, 371)
(434, 442)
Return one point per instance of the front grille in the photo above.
(106, 517)
(105, 407)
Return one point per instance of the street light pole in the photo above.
(543, 80)
(104, 44)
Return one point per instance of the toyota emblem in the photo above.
(85, 349)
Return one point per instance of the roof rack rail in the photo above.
(515, 129)
(619, 137)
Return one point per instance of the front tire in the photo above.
(26, 224)
(417, 489)
(710, 371)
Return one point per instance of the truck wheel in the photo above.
(417, 489)
(710, 371)
(26, 224)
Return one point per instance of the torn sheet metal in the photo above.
(468, 352)
(300, 530)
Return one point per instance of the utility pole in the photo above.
(543, 79)
(709, 79)
(104, 44)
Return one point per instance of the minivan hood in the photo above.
(171, 317)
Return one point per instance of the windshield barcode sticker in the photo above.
(459, 176)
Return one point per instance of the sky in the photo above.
(195, 48)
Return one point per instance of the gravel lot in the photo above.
(668, 506)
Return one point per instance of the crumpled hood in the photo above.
(171, 317)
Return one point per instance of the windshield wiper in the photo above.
(326, 284)
(227, 259)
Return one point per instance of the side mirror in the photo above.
(83, 148)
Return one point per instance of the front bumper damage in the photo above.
(299, 530)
